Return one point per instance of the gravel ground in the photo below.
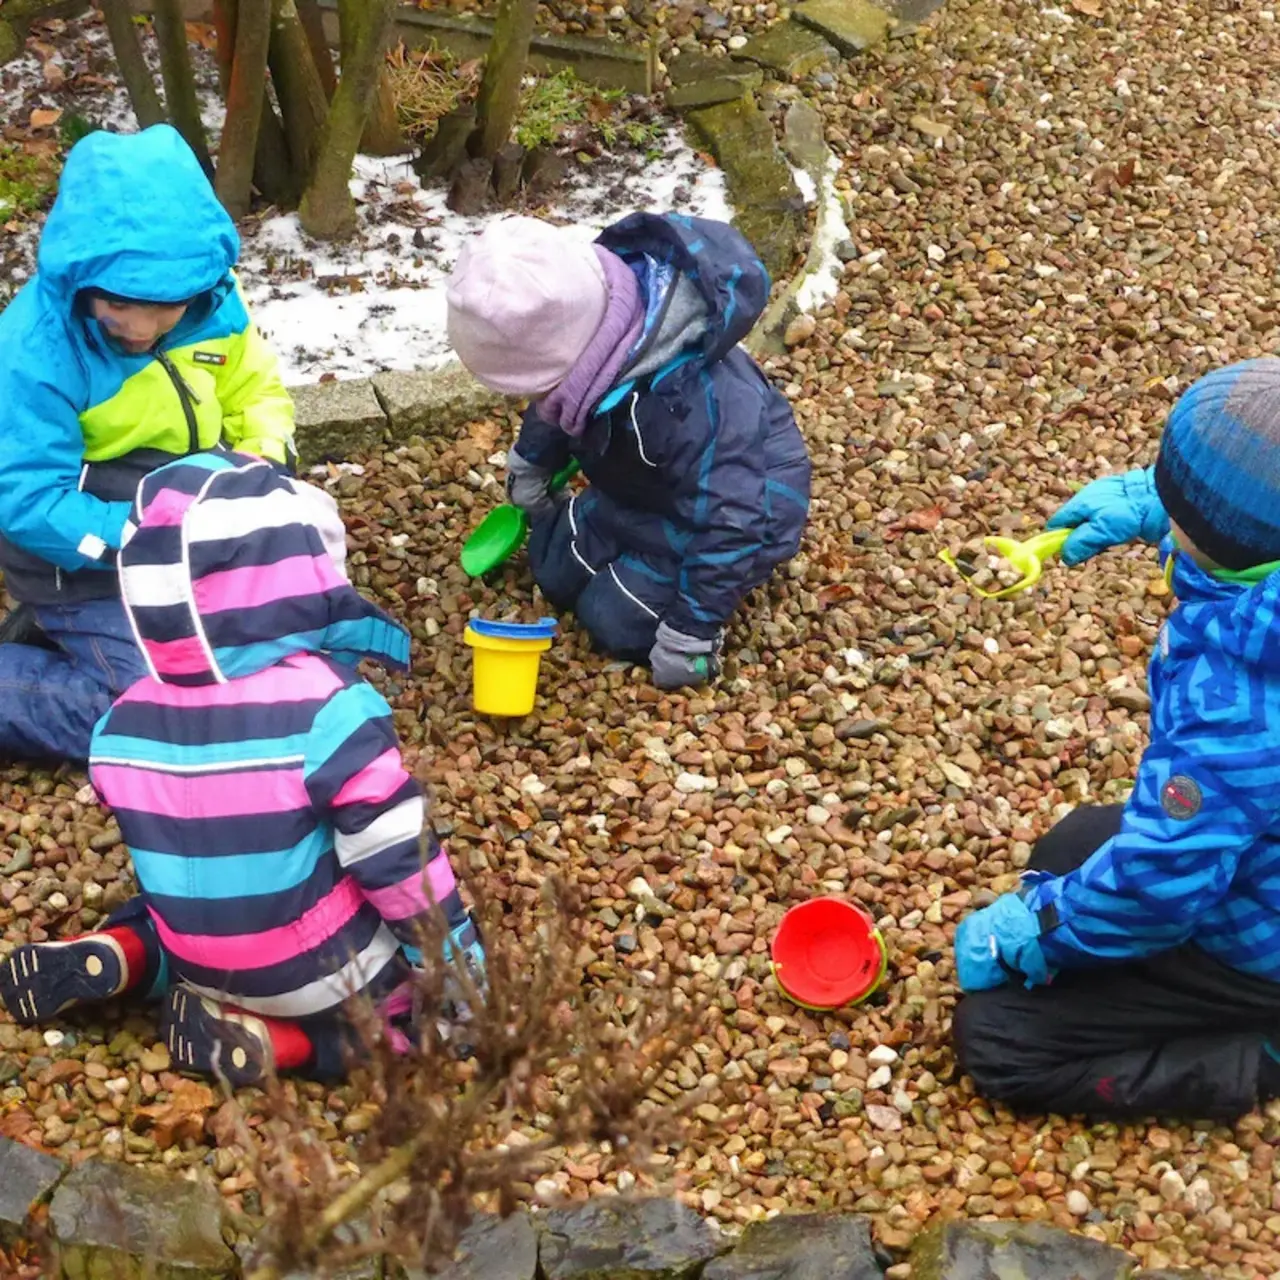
(1061, 220)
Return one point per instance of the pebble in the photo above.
(879, 1077)
(1077, 1203)
(882, 1056)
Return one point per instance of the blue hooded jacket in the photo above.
(1198, 855)
(699, 460)
(82, 420)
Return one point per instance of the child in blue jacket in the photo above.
(699, 478)
(1137, 969)
(129, 348)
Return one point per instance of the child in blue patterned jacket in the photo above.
(1137, 969)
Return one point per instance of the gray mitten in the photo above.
(678, 659)
(528, 486)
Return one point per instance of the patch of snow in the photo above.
(829, 230)
(804, 180)
(376, 302)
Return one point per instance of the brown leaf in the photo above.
(835, 593)
(182, 1116)
(45, 117)
(924, 520)
(204, 34)
(1091, 8)
(1124, 175)
(224, 1124)
(53, 73)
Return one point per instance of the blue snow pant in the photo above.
(618, 595)
(50, 699)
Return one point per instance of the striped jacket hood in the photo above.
(227, 567)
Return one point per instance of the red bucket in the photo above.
(828, 953)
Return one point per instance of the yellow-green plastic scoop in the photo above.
(502, 532)
(1027, 557)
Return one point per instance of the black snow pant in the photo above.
(1177, 1033)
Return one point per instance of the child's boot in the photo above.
(40, 980)
(215, 1039)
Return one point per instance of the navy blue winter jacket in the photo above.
(701, 460)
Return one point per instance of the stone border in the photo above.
(127, 1222)
(341, 417)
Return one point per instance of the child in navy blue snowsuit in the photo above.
(1137, 970)
(699, 477)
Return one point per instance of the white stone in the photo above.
(1200, 1196)
(736, 42)
(902, 1100)
(1172, 1186)
(882, 1056)
(688, 783)
(639, 888)
(879, 1077)
(53, 1038)
(1078, 1203)
(817, 816)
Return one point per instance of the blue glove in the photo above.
(999, 944)
(1109, 512)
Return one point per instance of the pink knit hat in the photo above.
(525, 299)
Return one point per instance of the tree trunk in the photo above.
(499, 98)
(273, 173)
(382, 136)
(328, 211)
(313, 24)
(298, 87)
(447, 148)
(245, 96)
(134, 71)
(179, 83)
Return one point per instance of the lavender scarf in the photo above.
(569, 405)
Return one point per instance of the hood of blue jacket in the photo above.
(714, 256)
(136, 216)
(1240, 623)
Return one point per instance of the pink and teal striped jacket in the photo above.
(256, 778)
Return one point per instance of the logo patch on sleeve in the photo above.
(1180, 797)
(208, 357)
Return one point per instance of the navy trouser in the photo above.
(50, 699)
(618, 595)
(1175, 1033)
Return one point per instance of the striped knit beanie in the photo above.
(228, 567)
(1218, 470)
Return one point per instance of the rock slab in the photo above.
(116, 1220)
(614, 1239)
(853, 26)
(433, 402)
(27, 1179)
(494, 1248)
(808, 1246)
(788, 49)
(980, 1250)
(337, 419)
(770, 208)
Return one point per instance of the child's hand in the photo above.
(679, 660)
(529, 487)
(1109, 512)
(999, 944)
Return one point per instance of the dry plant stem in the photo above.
(135, 73)
(245, 97)
(360, 1195)
(179, 82)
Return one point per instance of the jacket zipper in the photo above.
(188, 398)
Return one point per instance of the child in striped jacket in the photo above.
(258, 783)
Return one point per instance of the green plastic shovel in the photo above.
(502, 532)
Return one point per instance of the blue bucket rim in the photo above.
(543, 629)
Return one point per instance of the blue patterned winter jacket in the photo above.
(1198, 855)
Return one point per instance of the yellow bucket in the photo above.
(504, 676)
